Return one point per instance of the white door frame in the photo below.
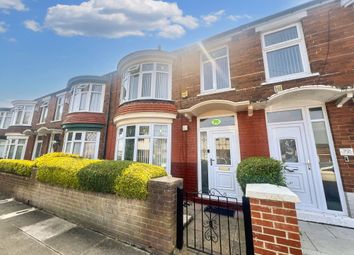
(226, 128)
(319, 190)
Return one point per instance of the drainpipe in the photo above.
(108, 114)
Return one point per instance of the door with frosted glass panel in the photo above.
(289, 145)
(222, 163)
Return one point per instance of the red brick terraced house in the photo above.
(281, 86)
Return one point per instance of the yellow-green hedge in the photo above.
(61, 169)
(133, 182)
(14, 166)
(126, 179)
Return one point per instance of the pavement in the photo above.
(321, 239)
(29, 231)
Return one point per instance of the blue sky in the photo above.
(45, 43)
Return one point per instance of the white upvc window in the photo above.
(146, 143)
(15, 147)
(147, 81)
(44, 112)
(83, 143)
(53, 143)
(59, 108)
(22, 115)
(2, 148)
(284, 54)
(87, 98)
(38, 145)
(215, 70)
(5, 120)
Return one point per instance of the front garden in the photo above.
(125, 178)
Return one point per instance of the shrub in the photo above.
(61, 169)
(101, 176)
(19, 167)
(260, 170)
(133, 183)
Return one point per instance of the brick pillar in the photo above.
(274, 222)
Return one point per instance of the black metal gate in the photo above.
(213, 223)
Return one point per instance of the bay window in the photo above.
(145, 143)
(5, 120)
(284, 53)
(15, 148)
(59, 108)
(44, 112)
(37, 151)
(215, 71)
(2, 148)
(83, 143)
(23, 114)
(146, 81)
(87, 98)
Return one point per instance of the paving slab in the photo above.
(29, 218)
(112, 247)
(46, 229)
(12, 207)
(75, 241)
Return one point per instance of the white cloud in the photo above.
(17, 5)
(238, 17)
(213, 17)
(12, 40)
(32, 25)
(3, 27)
(119, 18)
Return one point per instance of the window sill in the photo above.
(215, 92)
(40, 123)
(84, 112)
(146, 99)
(54, 121)
(290, 78)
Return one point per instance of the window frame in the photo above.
(300, 41)
(3, 116)
(16, 111)
(16, 144)
(3, 143)
(82, 141)
(126, 78)
(44, 108)
(151, 136)
(36, 144)
(51, 142)
(89, 95)
(214, 89)
(57, 106)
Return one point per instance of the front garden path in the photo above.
(29, 231)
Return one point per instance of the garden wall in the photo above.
(148, 224)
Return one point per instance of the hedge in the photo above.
(260, 170)
(14, 166)
(124, 178)
(101, 176)
(133, 183)
(61, 169)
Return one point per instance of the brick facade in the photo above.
(328, 33)
(149, 224)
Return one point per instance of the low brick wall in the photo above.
(274, 221)
(149, 224)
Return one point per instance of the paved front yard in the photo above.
(26, 230)
(318, 239)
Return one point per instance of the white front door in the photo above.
(223, 162)
(288, 143)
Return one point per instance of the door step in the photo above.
(326, 218)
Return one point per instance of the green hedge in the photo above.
(133, 183)
(61, 169)
(124, 178)
(101, 176)
(260, 170)
(19, 167)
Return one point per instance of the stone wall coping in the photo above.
(271, 192)
(168, 181)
